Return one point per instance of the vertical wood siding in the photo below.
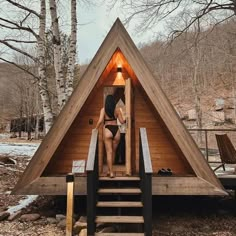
(75, 144)
(163, 149)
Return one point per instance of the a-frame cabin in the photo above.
(119, 68)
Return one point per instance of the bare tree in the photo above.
(72, 50)
(21, 27)
(150, 13)
(47, 109)
(64, 85)
(60, 84)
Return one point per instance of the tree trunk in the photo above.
(20, 123)
(36, 131)
(196, 85)
(234, 97)
(47, 110)
(60, 85)
(72, 51)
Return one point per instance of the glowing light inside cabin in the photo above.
(119, 72)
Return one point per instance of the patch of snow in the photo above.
(18, 149)
(22, 204)
(2, 135)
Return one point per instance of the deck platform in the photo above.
(227, 177)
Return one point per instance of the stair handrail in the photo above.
(92, 182)
(145, 172)
(92, 151)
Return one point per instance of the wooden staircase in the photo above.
(120, 200)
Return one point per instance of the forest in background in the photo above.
(194, 69)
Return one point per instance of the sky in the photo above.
(100, 20)
(94, 22)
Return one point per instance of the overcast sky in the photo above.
(94, 22)
(91, 35)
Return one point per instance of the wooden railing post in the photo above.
(92, 183)
(70, 179)
(147, 210)
(206, 140)
(145, 170)
(90, 204)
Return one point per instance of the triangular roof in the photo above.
(118, 38)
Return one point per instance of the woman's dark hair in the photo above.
(110, 106)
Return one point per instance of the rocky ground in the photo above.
(172, 216)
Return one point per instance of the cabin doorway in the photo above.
(122, 159)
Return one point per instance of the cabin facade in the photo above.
(119, 69)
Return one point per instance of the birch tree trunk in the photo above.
(36, 134)
(234, 94)
(72, 51)
(196, 57)
(47, 110)
(60, 84)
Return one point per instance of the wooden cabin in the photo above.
(119, 69)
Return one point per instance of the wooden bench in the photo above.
(226, 150)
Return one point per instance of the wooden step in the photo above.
(119, 234)
(119, 168)
(120, 190)
(115, 168)
(119, 204)
(119, 219)
(120, 178)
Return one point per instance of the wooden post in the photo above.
(128, 126)
(70, 204)
(206, 140)
(145, 171)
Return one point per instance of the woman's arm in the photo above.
(120, 116)
(101, 118)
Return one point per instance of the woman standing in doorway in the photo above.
(111, 134)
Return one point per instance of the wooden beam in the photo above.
(160, 186)
(92, 150)
(145, 151)
(70, 204)
(128, 126)
(53, 186)
(183, 186)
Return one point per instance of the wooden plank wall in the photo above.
(164, 151)
(75, 144)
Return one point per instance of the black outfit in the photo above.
(112, 128)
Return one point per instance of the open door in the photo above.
(128, 97)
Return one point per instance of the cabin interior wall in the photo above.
(75, 144)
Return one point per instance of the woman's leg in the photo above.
(115, 143)
(108, 146)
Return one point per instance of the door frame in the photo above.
(128, 143)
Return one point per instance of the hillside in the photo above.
(198, 75)
(194, 77)
(7, 104)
